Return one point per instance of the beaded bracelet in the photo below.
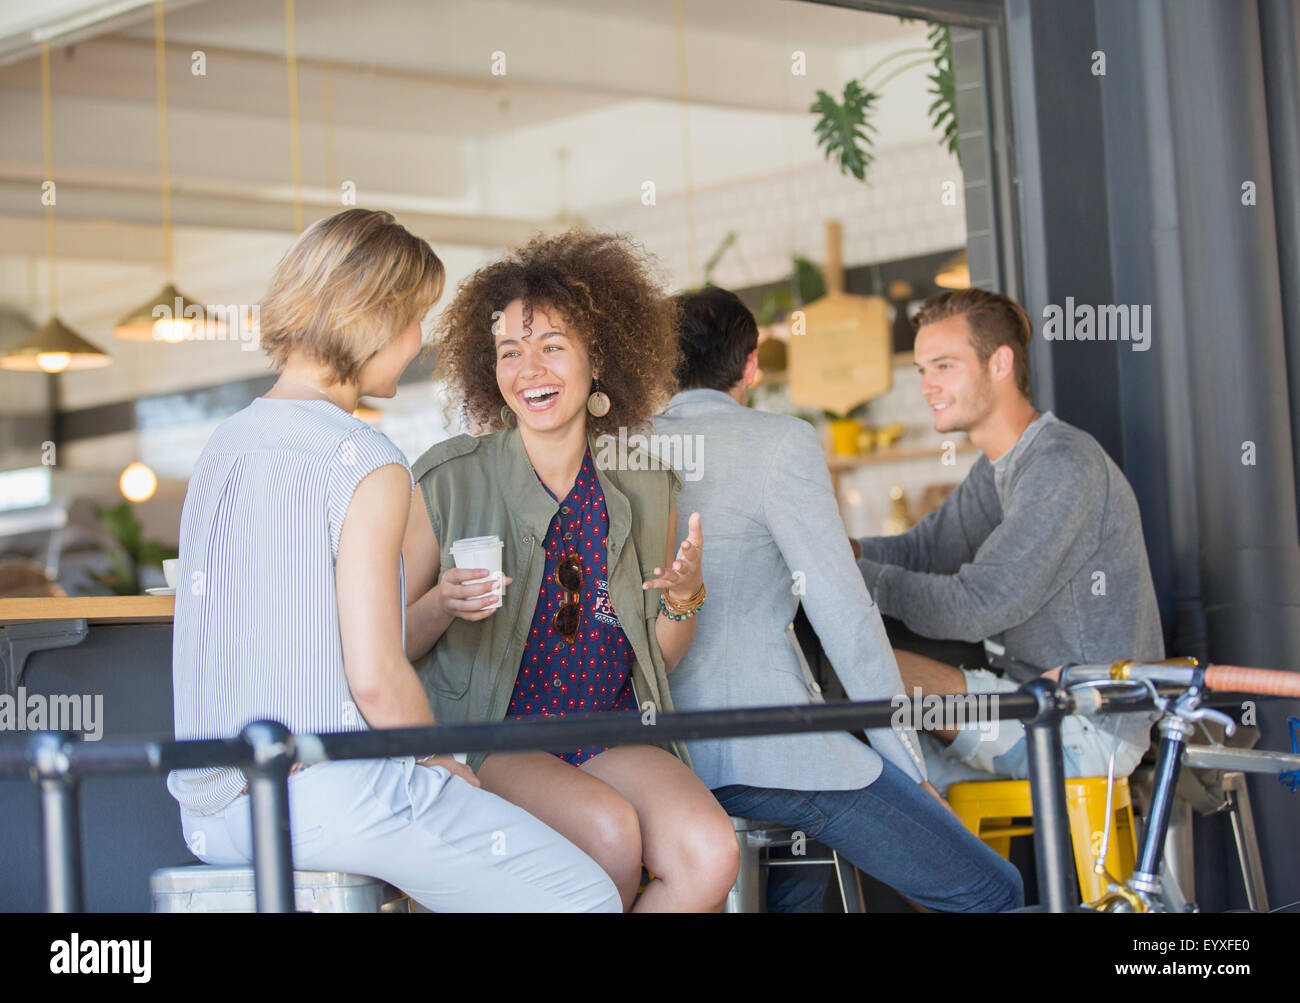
(663, 608)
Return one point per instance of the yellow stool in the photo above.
(990, 809)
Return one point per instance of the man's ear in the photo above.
(1002, 362)
(751, 369)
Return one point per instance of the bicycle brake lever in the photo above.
(1210, 714)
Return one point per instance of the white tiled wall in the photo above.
(900, 213)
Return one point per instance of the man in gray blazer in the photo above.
(775, 538)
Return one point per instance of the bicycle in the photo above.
(1092, 686)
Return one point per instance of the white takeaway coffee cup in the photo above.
(481, 552)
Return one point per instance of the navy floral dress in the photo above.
(594, 672)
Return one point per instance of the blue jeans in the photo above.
(892, 830)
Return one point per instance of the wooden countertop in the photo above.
(96, 609)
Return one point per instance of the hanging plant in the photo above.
(844, 128)
(943, 112)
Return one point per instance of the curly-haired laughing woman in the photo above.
(566, 340)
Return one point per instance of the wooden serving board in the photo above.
(844, 357)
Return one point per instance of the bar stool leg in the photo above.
(746, 894)
(1243, 834)
(850, 882)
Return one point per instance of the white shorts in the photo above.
(997, 749)
(451, 846)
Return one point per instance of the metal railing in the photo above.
(265, 751)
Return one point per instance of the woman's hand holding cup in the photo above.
(463, 593)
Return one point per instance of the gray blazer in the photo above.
(773, 536)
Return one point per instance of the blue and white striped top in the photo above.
(256, 631)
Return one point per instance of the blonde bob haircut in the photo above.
(348, 285)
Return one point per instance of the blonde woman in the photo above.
(563, 341)
(291, 603)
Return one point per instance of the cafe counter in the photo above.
(109, 658)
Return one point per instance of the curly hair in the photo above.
(603, 285)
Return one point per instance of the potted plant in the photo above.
(128, 551)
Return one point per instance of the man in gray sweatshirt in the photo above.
(1039, 550)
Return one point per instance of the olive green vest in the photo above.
(486, 486)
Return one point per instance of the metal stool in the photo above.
(205, 888)
(754, 836)
(1243, 834)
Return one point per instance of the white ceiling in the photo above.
(555, 35)
(414, 110)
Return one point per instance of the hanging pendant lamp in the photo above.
(953, 273)
(168, 317)
(53, 347)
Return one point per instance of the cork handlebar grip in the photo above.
(1265, 682)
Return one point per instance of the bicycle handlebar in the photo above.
(1265, 682)
(1226, 678)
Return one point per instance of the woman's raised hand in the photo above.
(684, 578)
(469, 602)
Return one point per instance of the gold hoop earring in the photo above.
(508, 417)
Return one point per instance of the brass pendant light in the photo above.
(168, 317)
(954, 273)
(53, 347)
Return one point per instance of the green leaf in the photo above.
(843, 130)
(808, 280)
(121, 524)
(153, 553)
(129, 550)
(943, 85)
(716, 256)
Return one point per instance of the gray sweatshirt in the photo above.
(1041, 551)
